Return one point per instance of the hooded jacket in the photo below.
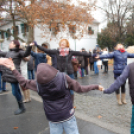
(54, 88)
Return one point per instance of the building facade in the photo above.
(88, 41)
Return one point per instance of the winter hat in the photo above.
(45, 73)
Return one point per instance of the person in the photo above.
(39, 57)
(128, 72)
(16, 54)
(30, 67)
(86, 59)
(53, 61)
(2, 83)
(23, 68)
(120, 61)
(96, 70)
(75, 64)
(81, 64)
(64, 55)
(54, 88)
(91, 61)
(105, 61)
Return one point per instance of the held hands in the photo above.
(101, 88)
(7, 62)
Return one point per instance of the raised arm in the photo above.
(27, 84)
(74, 85)
(107, 56)
(118, 82)
(48, 51)
(26, 53)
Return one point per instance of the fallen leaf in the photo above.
(99, 117)
(15, 127)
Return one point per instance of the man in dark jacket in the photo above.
(54, 88)
(86, 59)
(91, 61)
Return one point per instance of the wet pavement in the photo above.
(33, 121)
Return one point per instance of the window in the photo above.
(54, 29)
(24, 28)
(7, 34)
(90, 31)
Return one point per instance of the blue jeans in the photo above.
(71, 76)
(70, 127)
(16, 91)
(30, 74)
(82, 72)
(132, 120)
(2, 83)
(96, 70)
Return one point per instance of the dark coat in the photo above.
(30, 64)
(16, 57)
(64, 62)
(39, 58)
(91, 59)
(81, 61)
(75, 64)
(120, 60)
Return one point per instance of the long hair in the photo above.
(67, 42)
(17, 45)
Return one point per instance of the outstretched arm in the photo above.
(107, 56)
(129, 55)
(27, 52)
(48, 51)
(27, 84)
(118, 82)
(74, 85)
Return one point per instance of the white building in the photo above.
(88, 41)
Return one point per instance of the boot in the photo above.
(25, 96)
(21, 108)
(123, 98)
(28, 96)
(118, 99)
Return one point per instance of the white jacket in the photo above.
(105, 52)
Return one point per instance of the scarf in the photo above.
(122, 50)
(64, 52)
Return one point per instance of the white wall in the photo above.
(87, 42)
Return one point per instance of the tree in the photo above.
(45, 13)
(117, 12)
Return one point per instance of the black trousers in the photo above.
(91, 66)
(123, 89)
(105, 63)
(75, 74)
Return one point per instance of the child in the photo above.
(54, 88)
(127, 73)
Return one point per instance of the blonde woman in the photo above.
(120, 62)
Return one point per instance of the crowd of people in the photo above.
(52, 74)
